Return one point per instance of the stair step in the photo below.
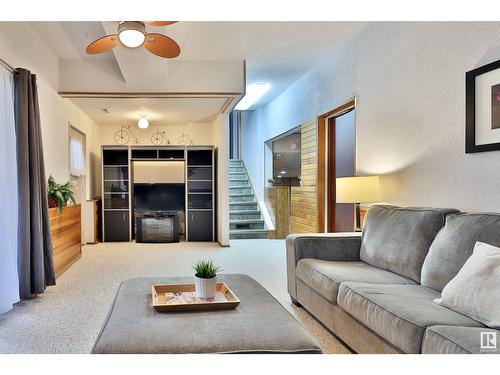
(245, 198)
(244, 214)
(236, 206)
(247, 224)
(240, 190)
(238, 179)
(239, 184)
(248, 234)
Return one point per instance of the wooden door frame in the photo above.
(322, 182)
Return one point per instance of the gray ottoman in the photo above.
(258, 325)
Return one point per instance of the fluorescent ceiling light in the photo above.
(143, 123)
(254, 92)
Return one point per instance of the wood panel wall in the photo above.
(277, 200)
(66, 233)
(304, 198)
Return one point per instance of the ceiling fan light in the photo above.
(132, 38)
(132, 34)
(143, 123)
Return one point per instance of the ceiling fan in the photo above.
(132, 34)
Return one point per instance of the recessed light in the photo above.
(279, 176)
(253, 93)
(283, 172)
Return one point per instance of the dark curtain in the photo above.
(36, 266)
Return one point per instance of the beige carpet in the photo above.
(68, 317)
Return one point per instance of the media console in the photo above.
(198, 205)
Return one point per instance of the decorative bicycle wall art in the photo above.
(160, 138)
(125, 135)
(122, 136)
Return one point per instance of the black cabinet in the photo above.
(200, 193)
(115, 157)
(200, 225)
(116, 226)
(115, 194)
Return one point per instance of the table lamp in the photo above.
(358, 189)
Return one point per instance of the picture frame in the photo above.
(482, 108)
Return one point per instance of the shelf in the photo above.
(116, 192)
(116, 166)
(200, 180)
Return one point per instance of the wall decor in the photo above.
(185, 140)
(482, 108)
(159, 138)
(122, 136)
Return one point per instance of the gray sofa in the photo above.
(375, 291)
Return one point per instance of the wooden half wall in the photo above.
(304, 198)
(65, 228)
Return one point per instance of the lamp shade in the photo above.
(361, 189)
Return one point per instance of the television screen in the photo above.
(159, 197)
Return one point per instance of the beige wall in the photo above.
(21, 47)
(221, 141)
(409, 82)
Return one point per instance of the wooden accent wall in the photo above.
(277, 200)
(66, 236)
(304, 198)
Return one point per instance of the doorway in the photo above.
(337, 158)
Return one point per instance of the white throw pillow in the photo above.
(475, 290)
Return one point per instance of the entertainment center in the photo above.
(158, 193)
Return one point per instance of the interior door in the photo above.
(341, 163)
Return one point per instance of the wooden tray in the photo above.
(224, 298)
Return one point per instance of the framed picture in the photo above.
(482, 109)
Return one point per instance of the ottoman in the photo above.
(258, 325)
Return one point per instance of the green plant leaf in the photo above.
(206, 269)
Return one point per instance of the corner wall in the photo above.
(221, 141)
(409, 82)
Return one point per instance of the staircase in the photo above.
(245, 220)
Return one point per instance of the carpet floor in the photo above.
(68, 316)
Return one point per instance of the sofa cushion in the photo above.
(398, 313)
(398, 239)
(454, 244)
(457, 340)
(325, 277)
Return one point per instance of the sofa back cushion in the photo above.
(454, 244)
(398, 239)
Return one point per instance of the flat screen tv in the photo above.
(159, 197)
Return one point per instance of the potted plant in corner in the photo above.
(59, 194)
(205, 279)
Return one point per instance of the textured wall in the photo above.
(409, 82)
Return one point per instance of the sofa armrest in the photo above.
(325, 246)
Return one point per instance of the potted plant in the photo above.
(205, 279)
(60, 194)
(270, 181)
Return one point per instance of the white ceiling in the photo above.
(159, 111)
(276, 52)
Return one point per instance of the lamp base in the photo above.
(357, 217)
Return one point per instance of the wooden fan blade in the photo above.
(160, 23)
(161, 45)
(103, 44)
